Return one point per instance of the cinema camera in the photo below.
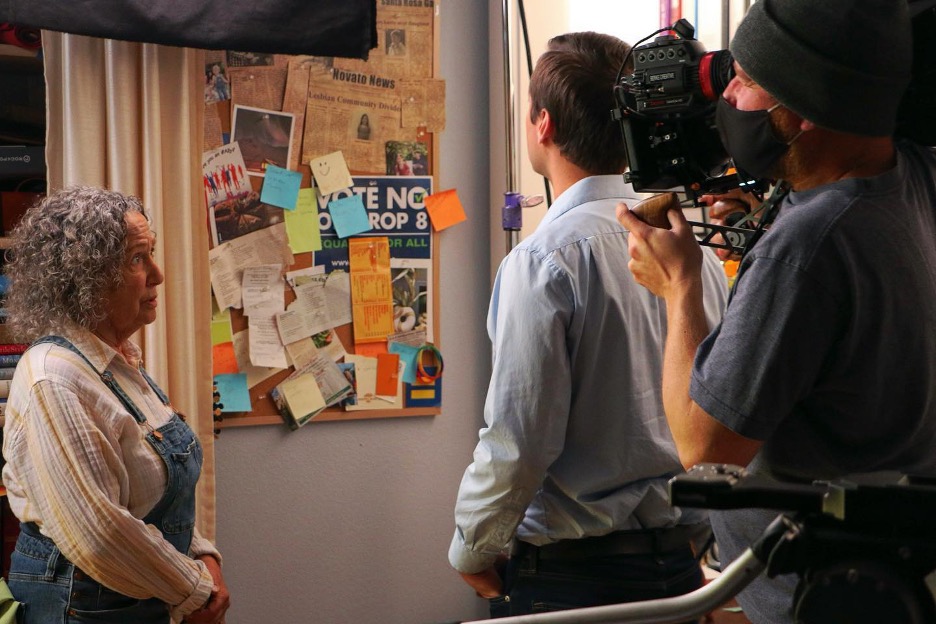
(666, 111)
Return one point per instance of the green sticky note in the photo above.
(302, 224)
(221, 328)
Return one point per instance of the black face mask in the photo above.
(749, 138)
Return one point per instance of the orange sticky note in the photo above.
(388, 374)
(370, 349)
(223, 360)
(445, 209)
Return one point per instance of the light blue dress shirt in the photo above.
(576, 442)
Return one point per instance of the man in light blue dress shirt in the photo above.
(572, 465)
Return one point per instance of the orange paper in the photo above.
(371, 288)
(445, 209)
(388, 374)
(370, 349)
(223, 360)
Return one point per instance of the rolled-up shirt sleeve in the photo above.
(526, 410)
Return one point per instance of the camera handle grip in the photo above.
(652, 210)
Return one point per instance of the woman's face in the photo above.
(132, 304)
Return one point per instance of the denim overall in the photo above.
(53, 590)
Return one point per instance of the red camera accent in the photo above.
(705, 77)
(21, 36)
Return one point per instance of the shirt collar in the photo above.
(589, 189)
(98, 352)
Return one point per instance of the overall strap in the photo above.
(106, 376)
(152, 384)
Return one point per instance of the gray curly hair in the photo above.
(67, 254)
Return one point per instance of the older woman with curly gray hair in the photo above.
(100, 469)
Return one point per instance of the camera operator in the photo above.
(574, 460)
(825, 362)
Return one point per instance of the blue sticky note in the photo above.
(235, 397)
(280, 187)
(408, 355)
(349, 216)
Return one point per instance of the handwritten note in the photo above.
(280, 187)
(349, 216)
(331, 173)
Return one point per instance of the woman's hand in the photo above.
(219, 601)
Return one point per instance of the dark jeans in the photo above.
(533, 585)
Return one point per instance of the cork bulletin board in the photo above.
(289, 116)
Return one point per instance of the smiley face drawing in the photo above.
(322, 168)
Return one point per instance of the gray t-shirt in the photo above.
(827, 351)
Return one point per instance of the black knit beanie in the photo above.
(842, 64)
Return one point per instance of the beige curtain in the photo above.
(129, 117)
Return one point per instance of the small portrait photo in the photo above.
(264, 136)
(407, 158)
(217, 83)
(363, 129)
(347, 369)
(395, 42)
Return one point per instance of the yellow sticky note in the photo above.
(302, 224)
(331, 173)
(445, 209)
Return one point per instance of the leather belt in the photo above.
(643, 542)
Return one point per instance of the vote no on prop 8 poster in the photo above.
(395, 208)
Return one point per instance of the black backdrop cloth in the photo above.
(343, 28)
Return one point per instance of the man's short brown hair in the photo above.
(573, 81)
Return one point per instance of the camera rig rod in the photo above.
(673, 610)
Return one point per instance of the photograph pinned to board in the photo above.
(224, 174)
(217, 82)
(265, 137)
(234, 208)
(242, 215)
(411, 284)
(407, 158)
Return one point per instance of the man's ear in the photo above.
(544, 126)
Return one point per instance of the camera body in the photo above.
(666, 109)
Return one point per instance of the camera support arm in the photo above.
(738, 237)
(695, 604)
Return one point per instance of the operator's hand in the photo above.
(664, 261)
(720, 206)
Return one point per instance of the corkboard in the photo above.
(264, 411)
